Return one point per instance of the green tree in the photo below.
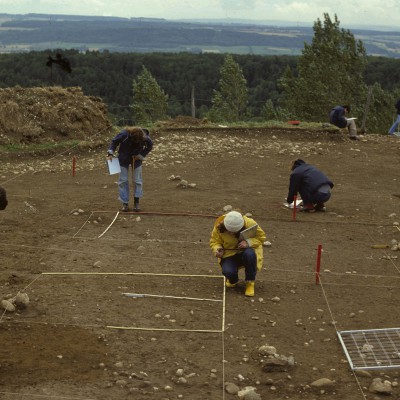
(381, 110)
(150, 103)
(229, 103)
(268, 111)
(330, 72)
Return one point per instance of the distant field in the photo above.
(39, 32)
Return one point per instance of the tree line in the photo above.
(333, 69)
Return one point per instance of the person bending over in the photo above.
(133, 145)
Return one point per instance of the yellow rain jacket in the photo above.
(230, 243)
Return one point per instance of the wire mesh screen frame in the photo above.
(371, 348)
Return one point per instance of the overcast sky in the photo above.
(356, 12)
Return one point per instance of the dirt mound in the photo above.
(36, 115)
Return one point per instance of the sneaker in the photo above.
(307, 208)
(125, 207)
(320, 207)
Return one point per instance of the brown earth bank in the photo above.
(65, 245)
(50, 114)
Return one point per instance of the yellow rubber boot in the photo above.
(230, 285)
(249, 289)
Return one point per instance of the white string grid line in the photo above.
(219, 331)
(321, 284)
(395, 350)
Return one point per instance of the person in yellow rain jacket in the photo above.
(234, 253)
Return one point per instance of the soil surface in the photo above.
(65, 245)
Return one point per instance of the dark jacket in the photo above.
(128, 148)
(306, 175)
(337, 117)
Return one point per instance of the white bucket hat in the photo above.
(233, 221)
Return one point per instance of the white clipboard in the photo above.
(248, 233)
(299, 203)
(113, 166)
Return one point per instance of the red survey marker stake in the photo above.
(318, 264)
(294, 207)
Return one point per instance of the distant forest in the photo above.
(110, 76)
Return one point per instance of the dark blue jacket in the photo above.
(337, 117)
(308, 177)
(128, 149)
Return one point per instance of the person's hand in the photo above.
(243, 244)
(219, 252)
(109, 157)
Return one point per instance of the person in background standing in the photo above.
(133, 144)
(396, 123)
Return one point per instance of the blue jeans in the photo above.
(123, 184)
(247, 259)
(394, 126)
(313, 198)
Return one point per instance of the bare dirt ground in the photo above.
(81, 338)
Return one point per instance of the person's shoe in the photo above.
(136, 207)
(249, 289)
(354, 137)
(320, 207)
(307, 208)
(125, 207)
(230, 285)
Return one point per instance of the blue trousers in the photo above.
(313, 198)
(123, 184)
(394, 126)
(247, 259)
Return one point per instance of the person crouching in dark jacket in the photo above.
(312, 184)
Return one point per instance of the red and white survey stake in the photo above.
(319, 251)
(294, 207)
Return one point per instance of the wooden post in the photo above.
(364, 121)
(193, 106)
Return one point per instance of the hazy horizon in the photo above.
(295, 12)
